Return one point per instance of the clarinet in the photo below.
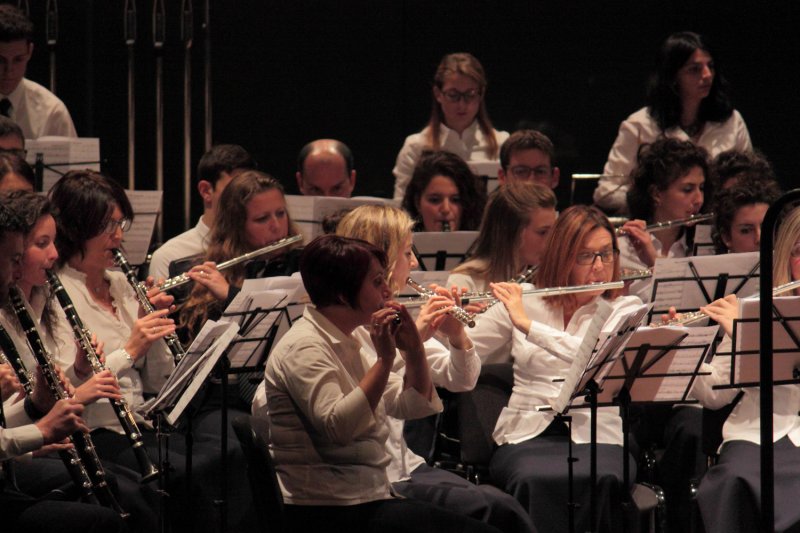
(82, 441)
(83, 336)
(173, 343)
(72, 461)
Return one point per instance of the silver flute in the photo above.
(630, 274)
(84, 337)
(457, 312)
(524, 277)
(182, 279)
(172, 340)
(551, 291)
(695, 316)
(658, 226)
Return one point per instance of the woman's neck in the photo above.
(95, 276)
(342, 317)
(668, 237)
(26, 288)
(689, 114)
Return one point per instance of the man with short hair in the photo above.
(527, 155)
(214, 171)
(11, 137)
(37, 111)
(325, 168)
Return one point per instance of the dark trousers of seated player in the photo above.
(535, 473)
(730, 492)
(47, 478)
(190, 509)
(482, 502)
(382, 516)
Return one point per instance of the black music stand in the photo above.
(39, 166)
(436, 250)
(701, 289)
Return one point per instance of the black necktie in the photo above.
(5, 107)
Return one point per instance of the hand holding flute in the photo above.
(435, 316)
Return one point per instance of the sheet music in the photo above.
(786, 352)
(309, 211)
(454, 243)
(254, 327)
(63, 154)
(146, 208)
(685, 294)
(582, 356)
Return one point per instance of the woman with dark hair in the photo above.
(444, 194)
(545, 334)
(731, 167)
(326, 404)
(669, 183)
(738, 213)
(459, 121)
(729, 496)
(92, 214)
(251, 215)
(687, 99)
(15, 173)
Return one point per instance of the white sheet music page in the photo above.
(786, 352)
(582, 357)
(146, 208)
(63, 154)
(686, 294)
(309, 211)
(453, 243)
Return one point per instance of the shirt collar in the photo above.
(16, 96)
(328, 330)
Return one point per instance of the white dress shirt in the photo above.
(640, 128)
(188, 243)
(39, 112)
(147, 375)
(744, 422)
(19, 436)
(470, 146)
(629, 259)
(329, 446)
(545, 354)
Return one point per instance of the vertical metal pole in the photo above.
(51, 32)
(187, 34)
(25, 7)
(207, 79)
(129, 25)
(159, 30)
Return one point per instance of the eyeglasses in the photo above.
(587, 258)
(123, 224)
(455, 96)
(795, 253)
(522, 172)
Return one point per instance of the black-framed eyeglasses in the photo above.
(587, 258)
(455, 96)
(523, 172)
(124, 224)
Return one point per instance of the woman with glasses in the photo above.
(545, 334)
(687, 99)
(92, 214)
(669, 183)
(444, 194)
(730, 493)
(459, 121)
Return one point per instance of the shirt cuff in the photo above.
(18, 441)
(118, 360)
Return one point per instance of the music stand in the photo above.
(437, 250)
(49, 154)
(308, 212)
(689, 283)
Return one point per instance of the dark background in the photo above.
(289, 71)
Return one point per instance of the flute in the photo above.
(658, 226)
(72, 461)
(82, 441)
(630, 274)
(182, 279)
(551, 291)
(457, 312)
(695, 316)
(173, 343)
(83, 336)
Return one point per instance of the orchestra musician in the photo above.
(730, 493)
(545, 333)
(444, 194)
(92, 214)
(326, 404)
(687, 100)
(459, 122)
(738, 213)
(455, 368)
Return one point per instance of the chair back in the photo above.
(261, 472)
(479, 409)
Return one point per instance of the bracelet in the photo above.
(31, 410)
(128, 356)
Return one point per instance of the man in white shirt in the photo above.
(37, 111)
(214, 172)
(325, 168)
(527, 155)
